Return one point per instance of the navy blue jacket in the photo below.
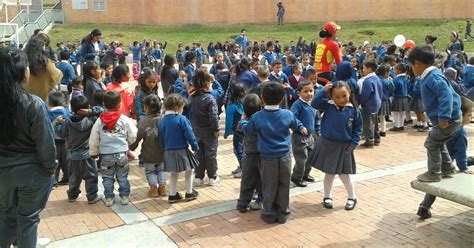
(308, 116)
(68, 72)
(370, 97)
(387, 88)
(401, 86)
(338, 124)
(440, 100)
(273, 130)
(203, 113)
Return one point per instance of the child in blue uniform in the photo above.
(387, 90)
(176, 134)
(303, 145)
(233, 114)
(400, 102)
(272, 126)
(341, 128)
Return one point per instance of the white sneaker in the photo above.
(125, 200)
(198, 182)
(43, 242)
(214, 182)
(109, 202)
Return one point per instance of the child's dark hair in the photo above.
(324, 33)
(243, 30)
(255, 61)
(471, 60)
(169, 60)
(98, 97)
(270, 43)
(371, 64)
(118, 72)
(255, 49)
(295, 66)
(56, 99)
(402, 68)
(389, 58)
(423, 54)
(220, 66)
(146, 73)
(78, 103)
(105, 65)
(273, 93)
(64, 55)
(199, 81)
(343, 84)
(112, 100)
(174, 102)
(77, 80)
(310, 72)
(135, 43)
(189, 57)
(291, 59)
(153, 103)
(382, 70)
(303, 84)
(237, 92)
(87, 68)
(252, 104)
(277, 62)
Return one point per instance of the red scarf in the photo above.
(110, 118)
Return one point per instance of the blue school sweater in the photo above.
(416, 90)
(469, 77)
(180, 89)
(308, 116)
(67, 70)
(137, 51)
(370, 97)
(338, 124)
(232, 117)
(281, 78)
(288, 70)
(249, 79)
(401, 86)
(440, 100)
(270, 56)
(273, 130)
(387, 87)
(190, 70)
(176, 133)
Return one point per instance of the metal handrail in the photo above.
(47, 18)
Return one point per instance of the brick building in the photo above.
(258, 11)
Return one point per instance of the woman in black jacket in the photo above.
(27, 153)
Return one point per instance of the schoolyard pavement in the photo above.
(385, 214)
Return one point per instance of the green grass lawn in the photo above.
(374, 31)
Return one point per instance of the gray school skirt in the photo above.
(332, 157)
(416, 105)
(179, 160)
(385, 108)
(400, 104)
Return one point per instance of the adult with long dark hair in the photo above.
(44, 74)
(326, 52)
(90, 46)
(27, 153)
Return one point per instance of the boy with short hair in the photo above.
(111, 135)
(76, 131)
(269, 55)
(272, 126)
(370, 99)
(443, 107)
(57, 111)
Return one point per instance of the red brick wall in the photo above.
(264, 11)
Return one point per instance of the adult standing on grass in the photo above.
(44, 75)
(326, 52)
(280, 13)
(90, 46)
(27, 153)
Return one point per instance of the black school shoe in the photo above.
(470, 161)
(192, 196)
(327, 203)
(175, 198)
(383, 134)
(308, 178)
(350, 204)
(242, 209)
(298, 182)
(424, 213)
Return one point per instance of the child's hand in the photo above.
(304, 131)
(327, 87)
(182, 74)
(59, 119)
(443, 124)
(216, 134)
(285, 86)
(350, 148)
(243, 117)
(468, 172)
(95, 156)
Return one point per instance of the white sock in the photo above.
(383, 124)
(349, 185)
(173, 183)
(188, 179)
(425, 124)
(402, 118)
(419, 123)
(328, 181)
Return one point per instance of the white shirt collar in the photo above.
(469, 65)
(370, 74)
(309, 102)
(65, 61)
(401, 74)
(272, 107)
(56, 108)
(427, 70)
(277, 74)
(349, 104)
(170, 112)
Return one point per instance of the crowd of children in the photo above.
(266, 91)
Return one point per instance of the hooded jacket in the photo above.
(76, 131)
(152, 146)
